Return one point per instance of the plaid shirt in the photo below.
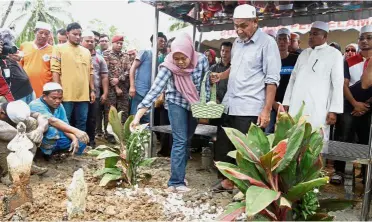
(164, 79)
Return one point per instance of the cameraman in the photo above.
(15, 76)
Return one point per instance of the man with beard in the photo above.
(356, 119)
(100, 81)
(317, 80)
(36, 59)
(253, 79)
(71, 66)
(118, 66)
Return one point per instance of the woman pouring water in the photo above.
(181, 75)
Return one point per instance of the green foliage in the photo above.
(122, 162)
(41, 10)
(177, 25)
(277, 173)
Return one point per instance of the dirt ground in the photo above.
(148, 202)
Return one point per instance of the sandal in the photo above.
(218, 188)
(110, 138)
(337, 179)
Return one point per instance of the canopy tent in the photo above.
(213, 39)
(207, 16)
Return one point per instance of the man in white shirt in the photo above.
(317, 80)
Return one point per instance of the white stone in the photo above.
(76, 194)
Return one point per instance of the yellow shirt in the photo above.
(36, 63)
(74, 65)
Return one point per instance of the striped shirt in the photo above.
(165, 79)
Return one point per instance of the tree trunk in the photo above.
(7, 13)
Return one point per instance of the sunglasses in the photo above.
(350, 50)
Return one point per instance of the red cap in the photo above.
(117, 38)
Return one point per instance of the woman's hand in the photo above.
(134, 124)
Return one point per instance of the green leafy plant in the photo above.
(122, 161)
(276, 172)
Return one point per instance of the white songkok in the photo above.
(43, 25)
(18, 111)
(51, 86)
(321, 25)
(284, 31)
(366, 28)
(87, 33)
(245, 11)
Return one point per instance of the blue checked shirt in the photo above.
(165, 79)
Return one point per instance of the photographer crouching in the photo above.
(14, 75)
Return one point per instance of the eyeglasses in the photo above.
(350, 50)
(368, 38)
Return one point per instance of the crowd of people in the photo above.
(63, 92)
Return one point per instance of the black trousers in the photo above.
(349, 127)
(223, 143)
(92, 120)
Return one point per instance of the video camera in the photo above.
(8, 39)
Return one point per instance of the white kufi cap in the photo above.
(43, 25)
(50, 86)
(245, 11)
(321, 25)
(366, 28)
(283, 31)
(18, 111)
(87, 33)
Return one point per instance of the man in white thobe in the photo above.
(317, 80)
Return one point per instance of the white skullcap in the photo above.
(353, 45)
(43, 25)
(366, 28)
(87, 33)
(321, 25)
(50, 86)
(283, 31)
(245, 11)
(18, 111)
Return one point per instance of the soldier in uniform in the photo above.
(118, 95)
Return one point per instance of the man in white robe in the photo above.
(317, 80)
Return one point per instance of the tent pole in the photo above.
(367, 188)
(151, 149)
(200, 41)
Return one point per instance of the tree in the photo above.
(177, 24)
(10, 6)
(41, 10)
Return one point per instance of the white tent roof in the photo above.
(214, 38)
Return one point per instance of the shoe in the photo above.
(36, 170)
(182, 189)
(6, 180)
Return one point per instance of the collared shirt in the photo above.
(165, 79)
(100, 68)
(222, 84)
(74, 64)
(118, 66)
(36, 63)
(254, 64)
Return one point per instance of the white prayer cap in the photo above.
(43, 25)
(283, 31)
(245, 11)
(87, 33)
(18, 111)
(50, 86)
(366, 28)
(321, 25)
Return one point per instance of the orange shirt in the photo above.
(36, 63)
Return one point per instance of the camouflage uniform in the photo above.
(118, 66)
